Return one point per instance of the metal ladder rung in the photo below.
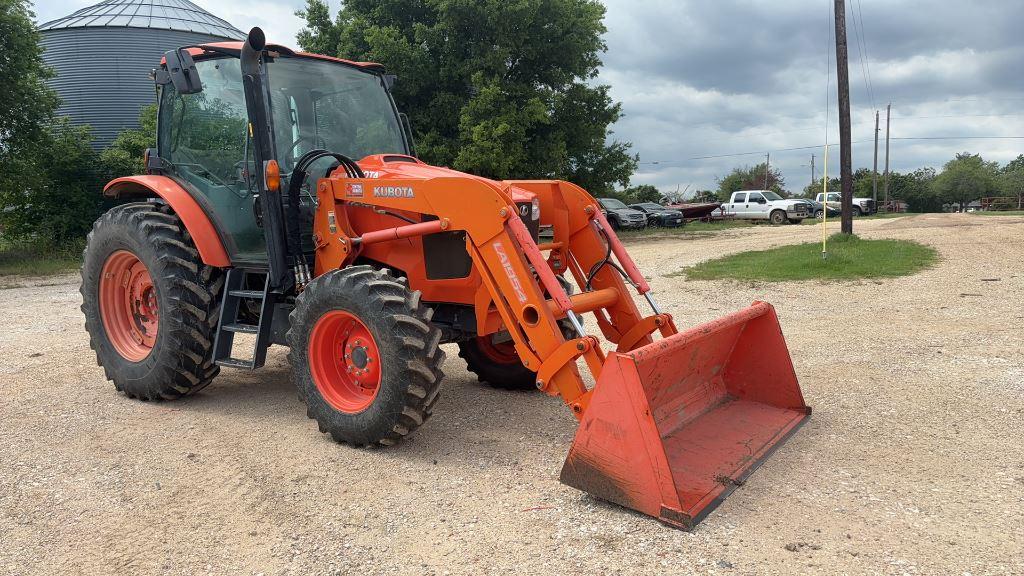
(242, 328)
(247, 294)
(235, 363)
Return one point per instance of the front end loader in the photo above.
(284, 203)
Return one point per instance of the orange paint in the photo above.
(204, 234)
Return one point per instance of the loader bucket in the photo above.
(675, 426)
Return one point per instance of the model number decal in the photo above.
(506, 263)
(393, 192)
(355, 190)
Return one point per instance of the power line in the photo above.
(816, 147)
(867, 58)
(862, 54)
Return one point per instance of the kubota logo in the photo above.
(393, 192)
(506, 263)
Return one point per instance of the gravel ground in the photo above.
(912, 463)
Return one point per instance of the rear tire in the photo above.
(497, 364)
(777, 217)
(364, 356)
(152, 331)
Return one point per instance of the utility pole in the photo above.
(874, 170)
(843, 86)
(888, 111)
(813, 174)
(767, 162)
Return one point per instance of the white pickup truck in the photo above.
(766, 205)
(861, 206)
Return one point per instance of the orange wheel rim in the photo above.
(344, 361)
(503, 353)
(129, 305)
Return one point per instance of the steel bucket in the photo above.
(675, 426)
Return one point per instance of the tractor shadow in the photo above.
(472, 425)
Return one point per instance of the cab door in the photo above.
(738, 205)
(757, 205)
(202, 138)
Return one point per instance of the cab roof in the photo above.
(213, 49)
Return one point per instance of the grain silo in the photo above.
(103, 55)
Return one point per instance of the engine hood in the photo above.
(393, 166)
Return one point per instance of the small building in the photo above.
(102, 56)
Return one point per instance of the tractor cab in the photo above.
(204, 141)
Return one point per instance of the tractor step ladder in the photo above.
(235, 294)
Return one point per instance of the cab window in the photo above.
(740, 198)
(203, 140)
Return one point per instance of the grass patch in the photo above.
(849, 258)
(35, 258)
(688, 228)
(998, 213)
(878, 216)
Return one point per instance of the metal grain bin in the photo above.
(102, 56)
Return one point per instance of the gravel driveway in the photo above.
(913, 462)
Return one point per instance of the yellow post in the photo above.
(824, 208)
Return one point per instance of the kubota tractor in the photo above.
(284, 200)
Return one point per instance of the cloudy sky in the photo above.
(707, 85)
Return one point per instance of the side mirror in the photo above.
(389, 81)
(407, 128)
(182, 71)
(762, 201)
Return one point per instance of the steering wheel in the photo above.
(289, 156)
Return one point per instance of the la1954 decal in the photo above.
(393, 192)
(506, 263)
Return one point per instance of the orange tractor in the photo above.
(254, 217)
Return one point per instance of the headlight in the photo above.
(535, 209)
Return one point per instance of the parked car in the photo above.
(861, 206)
(818, 210)
(658, 215)
(766, 205)
(621, 216)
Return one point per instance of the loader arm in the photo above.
(520, 280)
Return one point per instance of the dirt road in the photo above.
(913, 462)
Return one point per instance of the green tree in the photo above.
(26, 103)
(916, 189)
(813, 189)
(1011, 180)
(51, 190)
(643, 193)
(966, 178)
(500, 88)
(705, 196)
(124, 155)
(751, 178)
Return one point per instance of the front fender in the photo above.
(196, 221)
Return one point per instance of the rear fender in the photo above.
(197, 222)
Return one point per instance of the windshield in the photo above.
(651, 206)
(612, 204)
(771, 195)
(320, 104)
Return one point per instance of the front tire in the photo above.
(364, 356)
(497, 364)
(857, 211)
(150, 304)
(777, 217)
(819, 214)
